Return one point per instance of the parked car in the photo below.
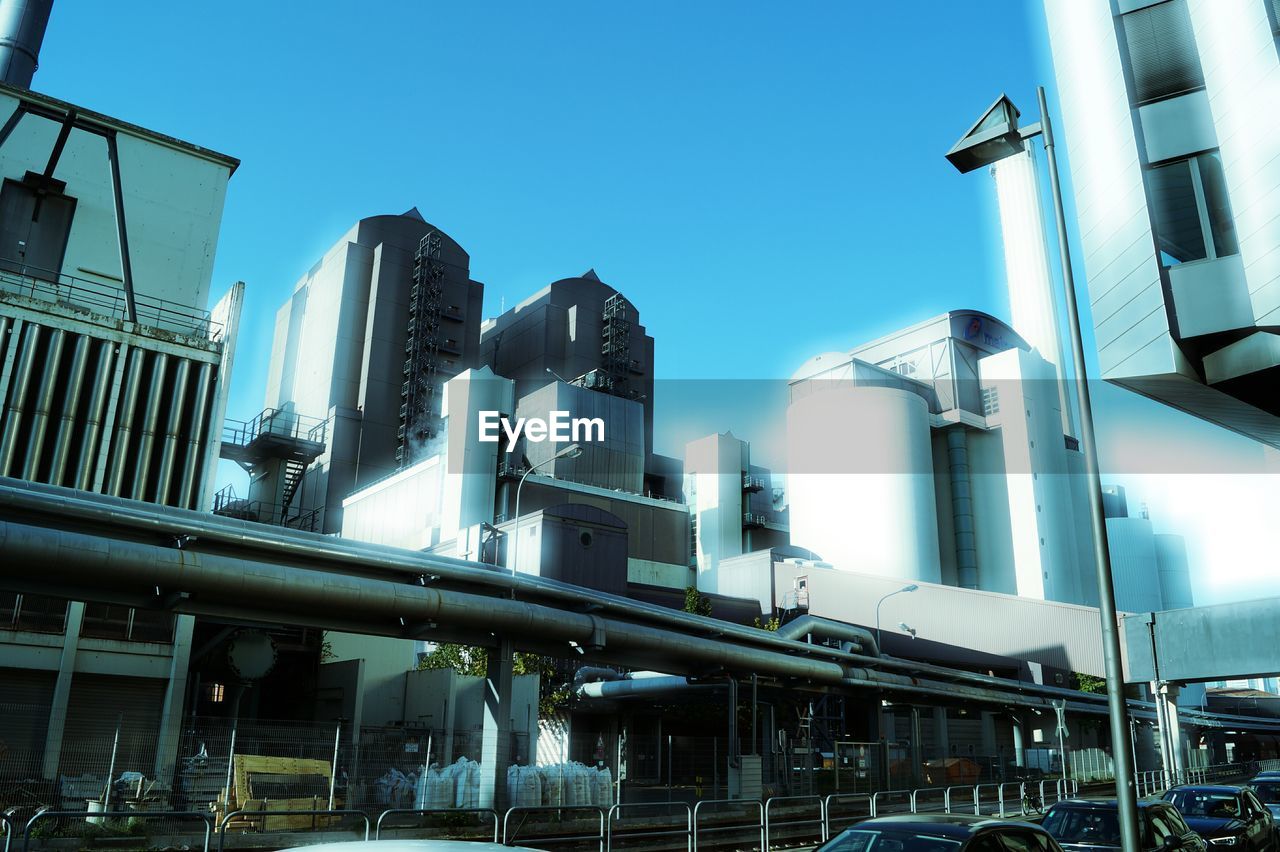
(1226, 815)
(410, 846)
(1079, 824)
(1266, 786)
(941, 833)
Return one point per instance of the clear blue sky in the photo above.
(765, 181)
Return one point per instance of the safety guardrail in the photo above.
(9, 825)
(771, 823)
(753, 804)
(884, 802)
(615, 810)
(377, 827)
(43, 813)
(509, 837)
(929, 800)
(266, 814)
(836, 800)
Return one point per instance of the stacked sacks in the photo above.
(466, 781)
(524, 786)
(435, 789)
(573, 784)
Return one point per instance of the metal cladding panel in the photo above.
(1133, 564)
(1006, 625)
(1208, 643)
(1106, 177)
(1241, 73)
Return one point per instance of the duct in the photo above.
(44, 404)
(124, 417)
(850, 637)
(22, 26)
(83, 474)
(314, 549)
(591, 674)
(70, 406)
(169, 449)
(18, 396)
(195, 437)
(307, 596)
(962, 508)
(150, 423)
(650, 687)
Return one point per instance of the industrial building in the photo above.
(1175, 166)
(113, 379)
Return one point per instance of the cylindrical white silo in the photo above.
(860, 479)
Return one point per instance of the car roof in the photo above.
(410, 846)
(1209, 788)
(943, 825)
(1103, 804)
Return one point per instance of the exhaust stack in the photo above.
(22, 25)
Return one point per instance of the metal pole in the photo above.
(231, 759)
(333, 776)
(1126, 800)
(668, 767)
(111, 768)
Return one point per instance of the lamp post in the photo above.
(907, 628)
(995, 136)
(903, 590)
(572, 451)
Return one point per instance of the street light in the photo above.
(995, 136)
(572, 451)
(905, 628)
(903, 590)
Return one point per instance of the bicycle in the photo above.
(1031, 801)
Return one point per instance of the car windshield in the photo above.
(864, 840)
(1268, 791)
(1091, 826)
(1201, 803)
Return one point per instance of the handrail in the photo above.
(48, 285)
(821, 820)
(43, 813)
(600, 836)
(758, 825)
(837, 798)
(6, 819)
(687, 832)
(876, 798)
(977, 795)
(915, 805)
(949, 805)
(222, 827)
(377, 828)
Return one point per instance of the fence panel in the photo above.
(708, 825)
(792, 803)
(647, 830)
(510, 832)
(450, 815)
(846, 808)
(265, 815)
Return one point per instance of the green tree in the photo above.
(1088, 683)
(696, 602)
(553, 692)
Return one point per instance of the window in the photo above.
(35, 613)
(113, 621)
(1190, 210)
(1162, 52)
(1159, 828)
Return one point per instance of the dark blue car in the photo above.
(1086, 825)
(1226, 816)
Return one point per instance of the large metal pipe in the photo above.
(70, 408)
(169, 447)
(45, 390)
(195, 438)
(82, 477)
(124, 421)
(18, 396)
(22, 26)
(150, 423)
(852, 639)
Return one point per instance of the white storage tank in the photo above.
(860, 479)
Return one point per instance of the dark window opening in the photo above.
(1162, 52)
(1190, 210)
(35, 221)
(35, 613)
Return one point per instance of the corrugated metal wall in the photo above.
(96, 414)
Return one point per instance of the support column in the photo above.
(1162, 721)
(174, 697)
(1019, 746)
(1171, 691)
(941, 736)
(917, 750)
(495, 750)
(62, 690)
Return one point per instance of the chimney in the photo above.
(22, 25)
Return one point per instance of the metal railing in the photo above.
(679, 807)
(275, 421)
(601, 836)
(44, 814)
(746, 804)
(770, 823)
(269, 814)
(104, 299)
(377, 828)
(884, 802)
(929, 800)
(9, 825)
(836, 800)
